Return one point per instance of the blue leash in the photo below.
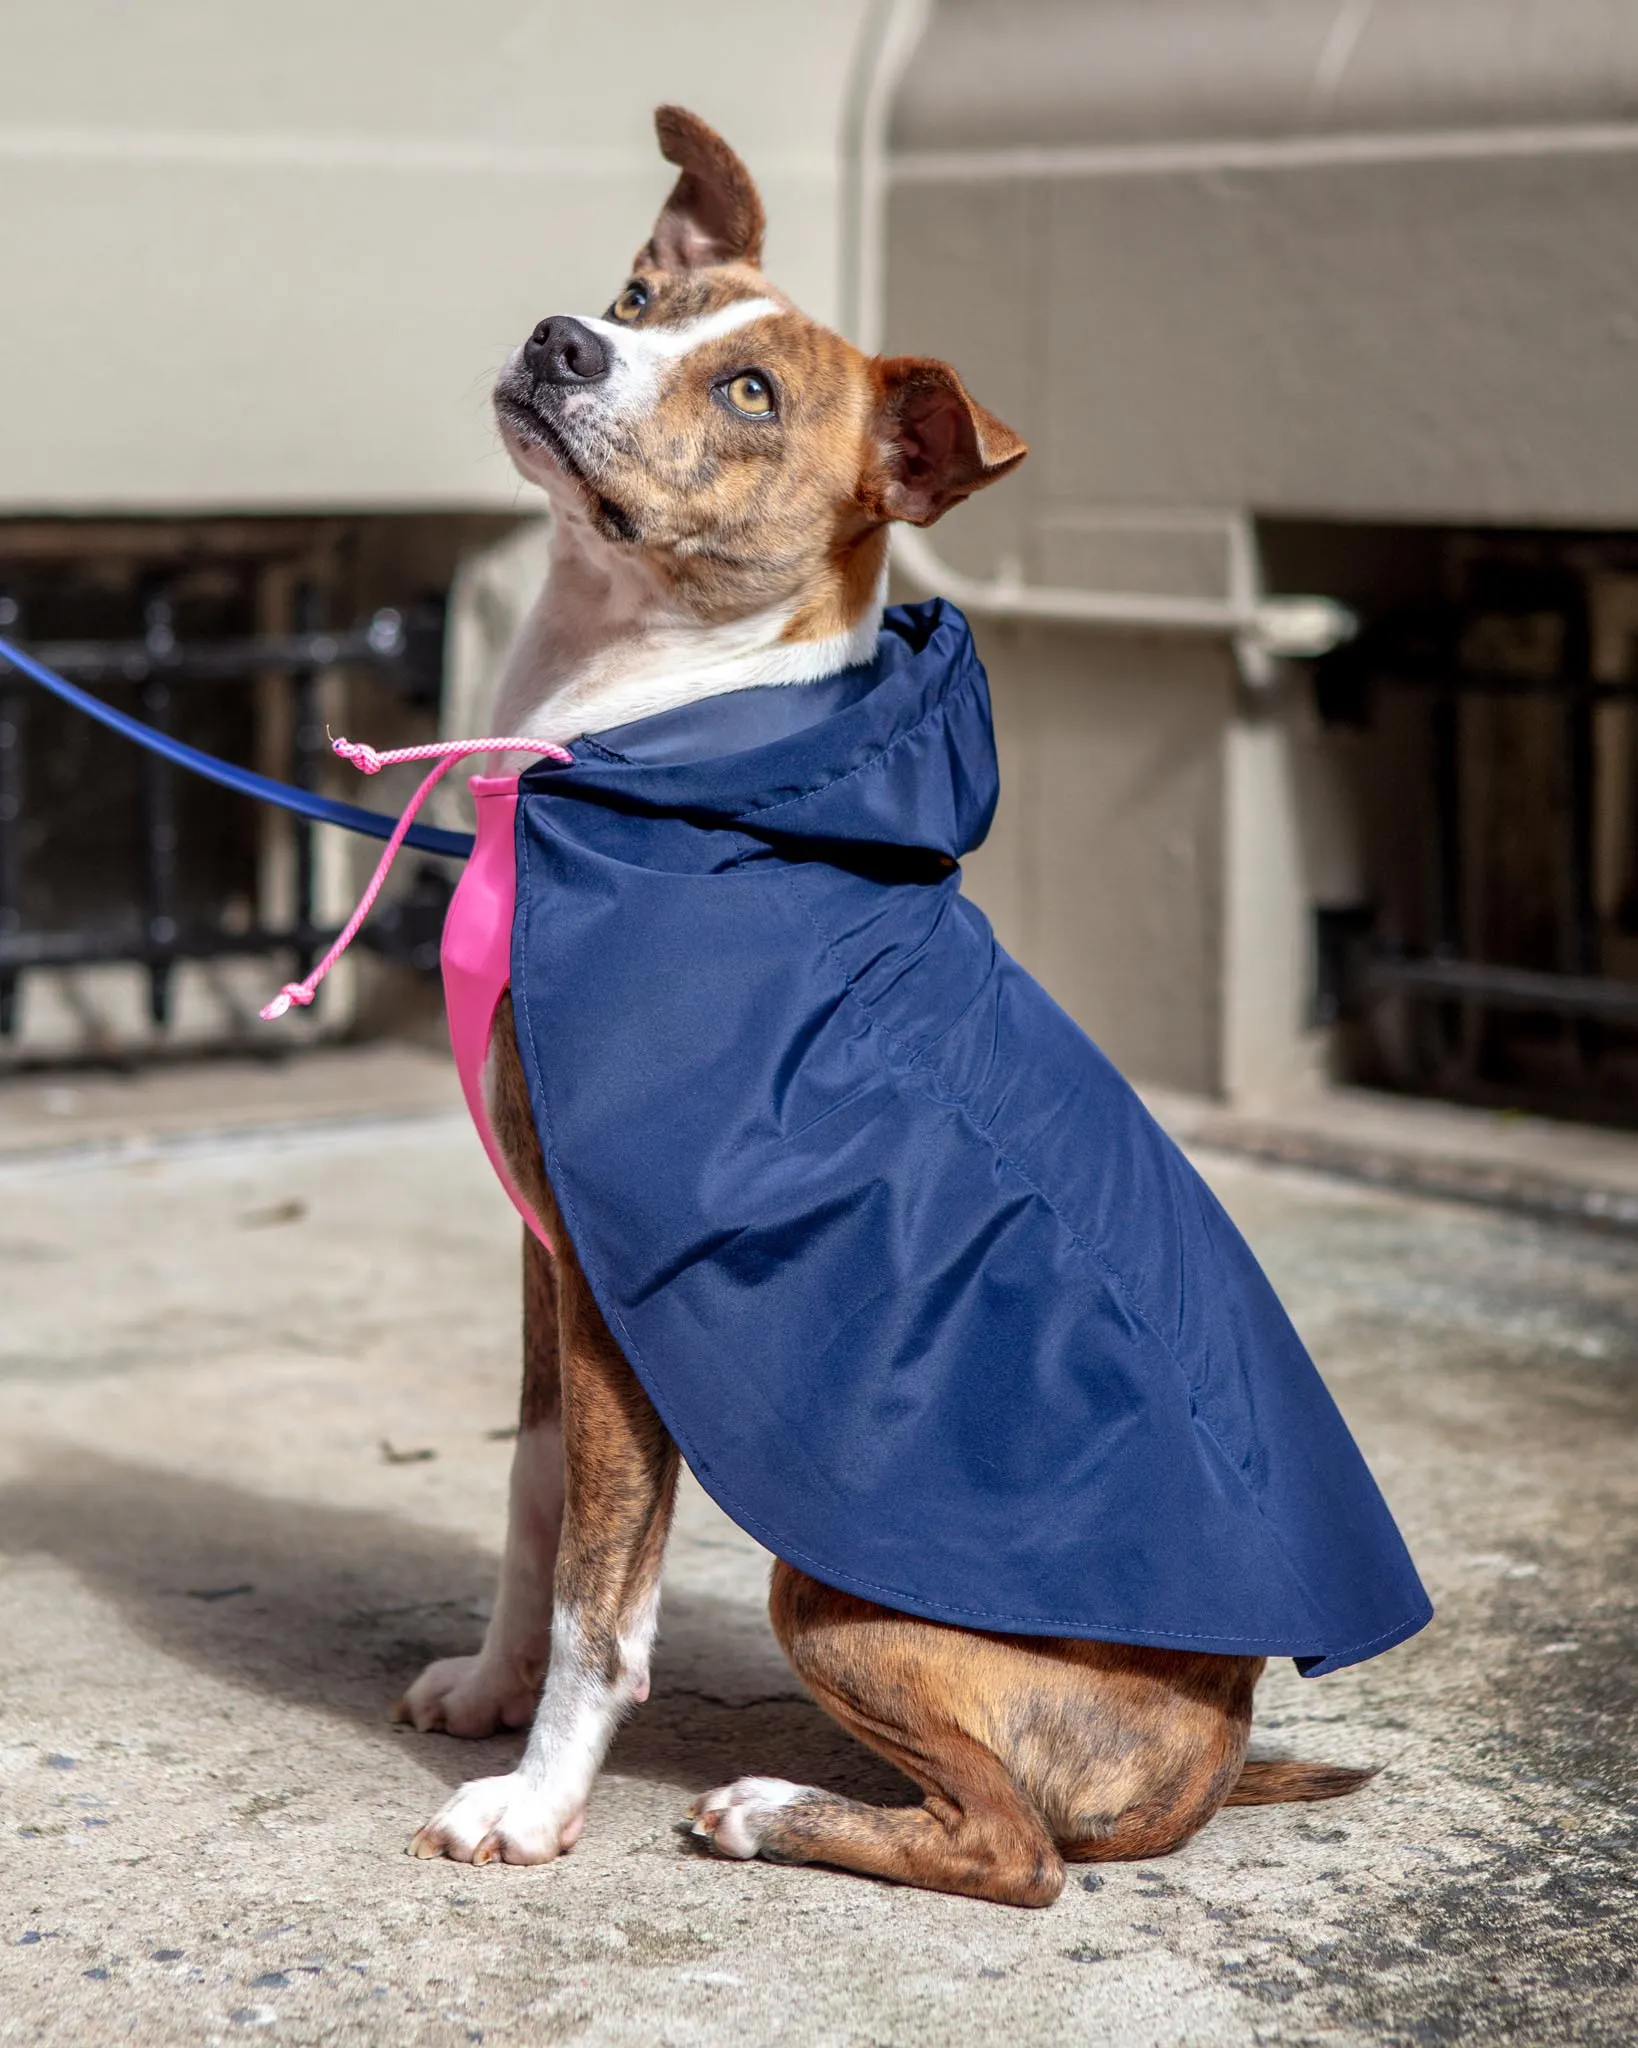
(306, 803)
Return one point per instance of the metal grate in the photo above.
(1505, 800)
(108, 854)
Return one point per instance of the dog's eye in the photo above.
(630, 302)
(750, 393)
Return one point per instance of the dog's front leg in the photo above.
(621, 1476)
(500, 1686)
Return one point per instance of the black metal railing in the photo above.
(141, 913)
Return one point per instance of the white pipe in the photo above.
(1263, 628)
(1010, 597)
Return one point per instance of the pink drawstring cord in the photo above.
(366, 759)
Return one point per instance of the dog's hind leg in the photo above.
(972, 1834)
(975, 1832)
(500, 1686)
(1033, 1751)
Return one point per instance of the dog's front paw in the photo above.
(736, 1818)
(502, 1820)
(467, 1696)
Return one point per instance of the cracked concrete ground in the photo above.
(253, 1395)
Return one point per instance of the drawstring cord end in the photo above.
(292, 992)
(364, 758)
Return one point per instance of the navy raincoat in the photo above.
(930, 1304)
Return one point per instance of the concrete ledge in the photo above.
(1501, 1159)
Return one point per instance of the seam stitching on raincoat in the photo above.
(1399, 1629)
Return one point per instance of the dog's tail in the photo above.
(1273, 1784)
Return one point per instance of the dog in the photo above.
(723, 472)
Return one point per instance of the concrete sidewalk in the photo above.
(220, 1364)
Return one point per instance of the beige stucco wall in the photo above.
(1362, 261)
(268, 256)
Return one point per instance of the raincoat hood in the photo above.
(898, 754)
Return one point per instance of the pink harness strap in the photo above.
(477, 945)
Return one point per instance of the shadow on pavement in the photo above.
(337, 1609)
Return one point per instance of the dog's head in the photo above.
(752, 454)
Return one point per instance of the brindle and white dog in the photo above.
(723, 472)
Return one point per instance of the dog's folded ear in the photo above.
(714, 214)
(934, 445)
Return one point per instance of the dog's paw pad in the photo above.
(735, 1818)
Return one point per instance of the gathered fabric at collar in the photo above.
(900, 752)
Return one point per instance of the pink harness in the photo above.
(477, 946)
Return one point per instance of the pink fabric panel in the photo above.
(477, 958)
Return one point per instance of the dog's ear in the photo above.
(934, 445)
(714, 214)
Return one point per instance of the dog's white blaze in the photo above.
(686, 335)
(642, 355)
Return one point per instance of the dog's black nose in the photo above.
(562, 351)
